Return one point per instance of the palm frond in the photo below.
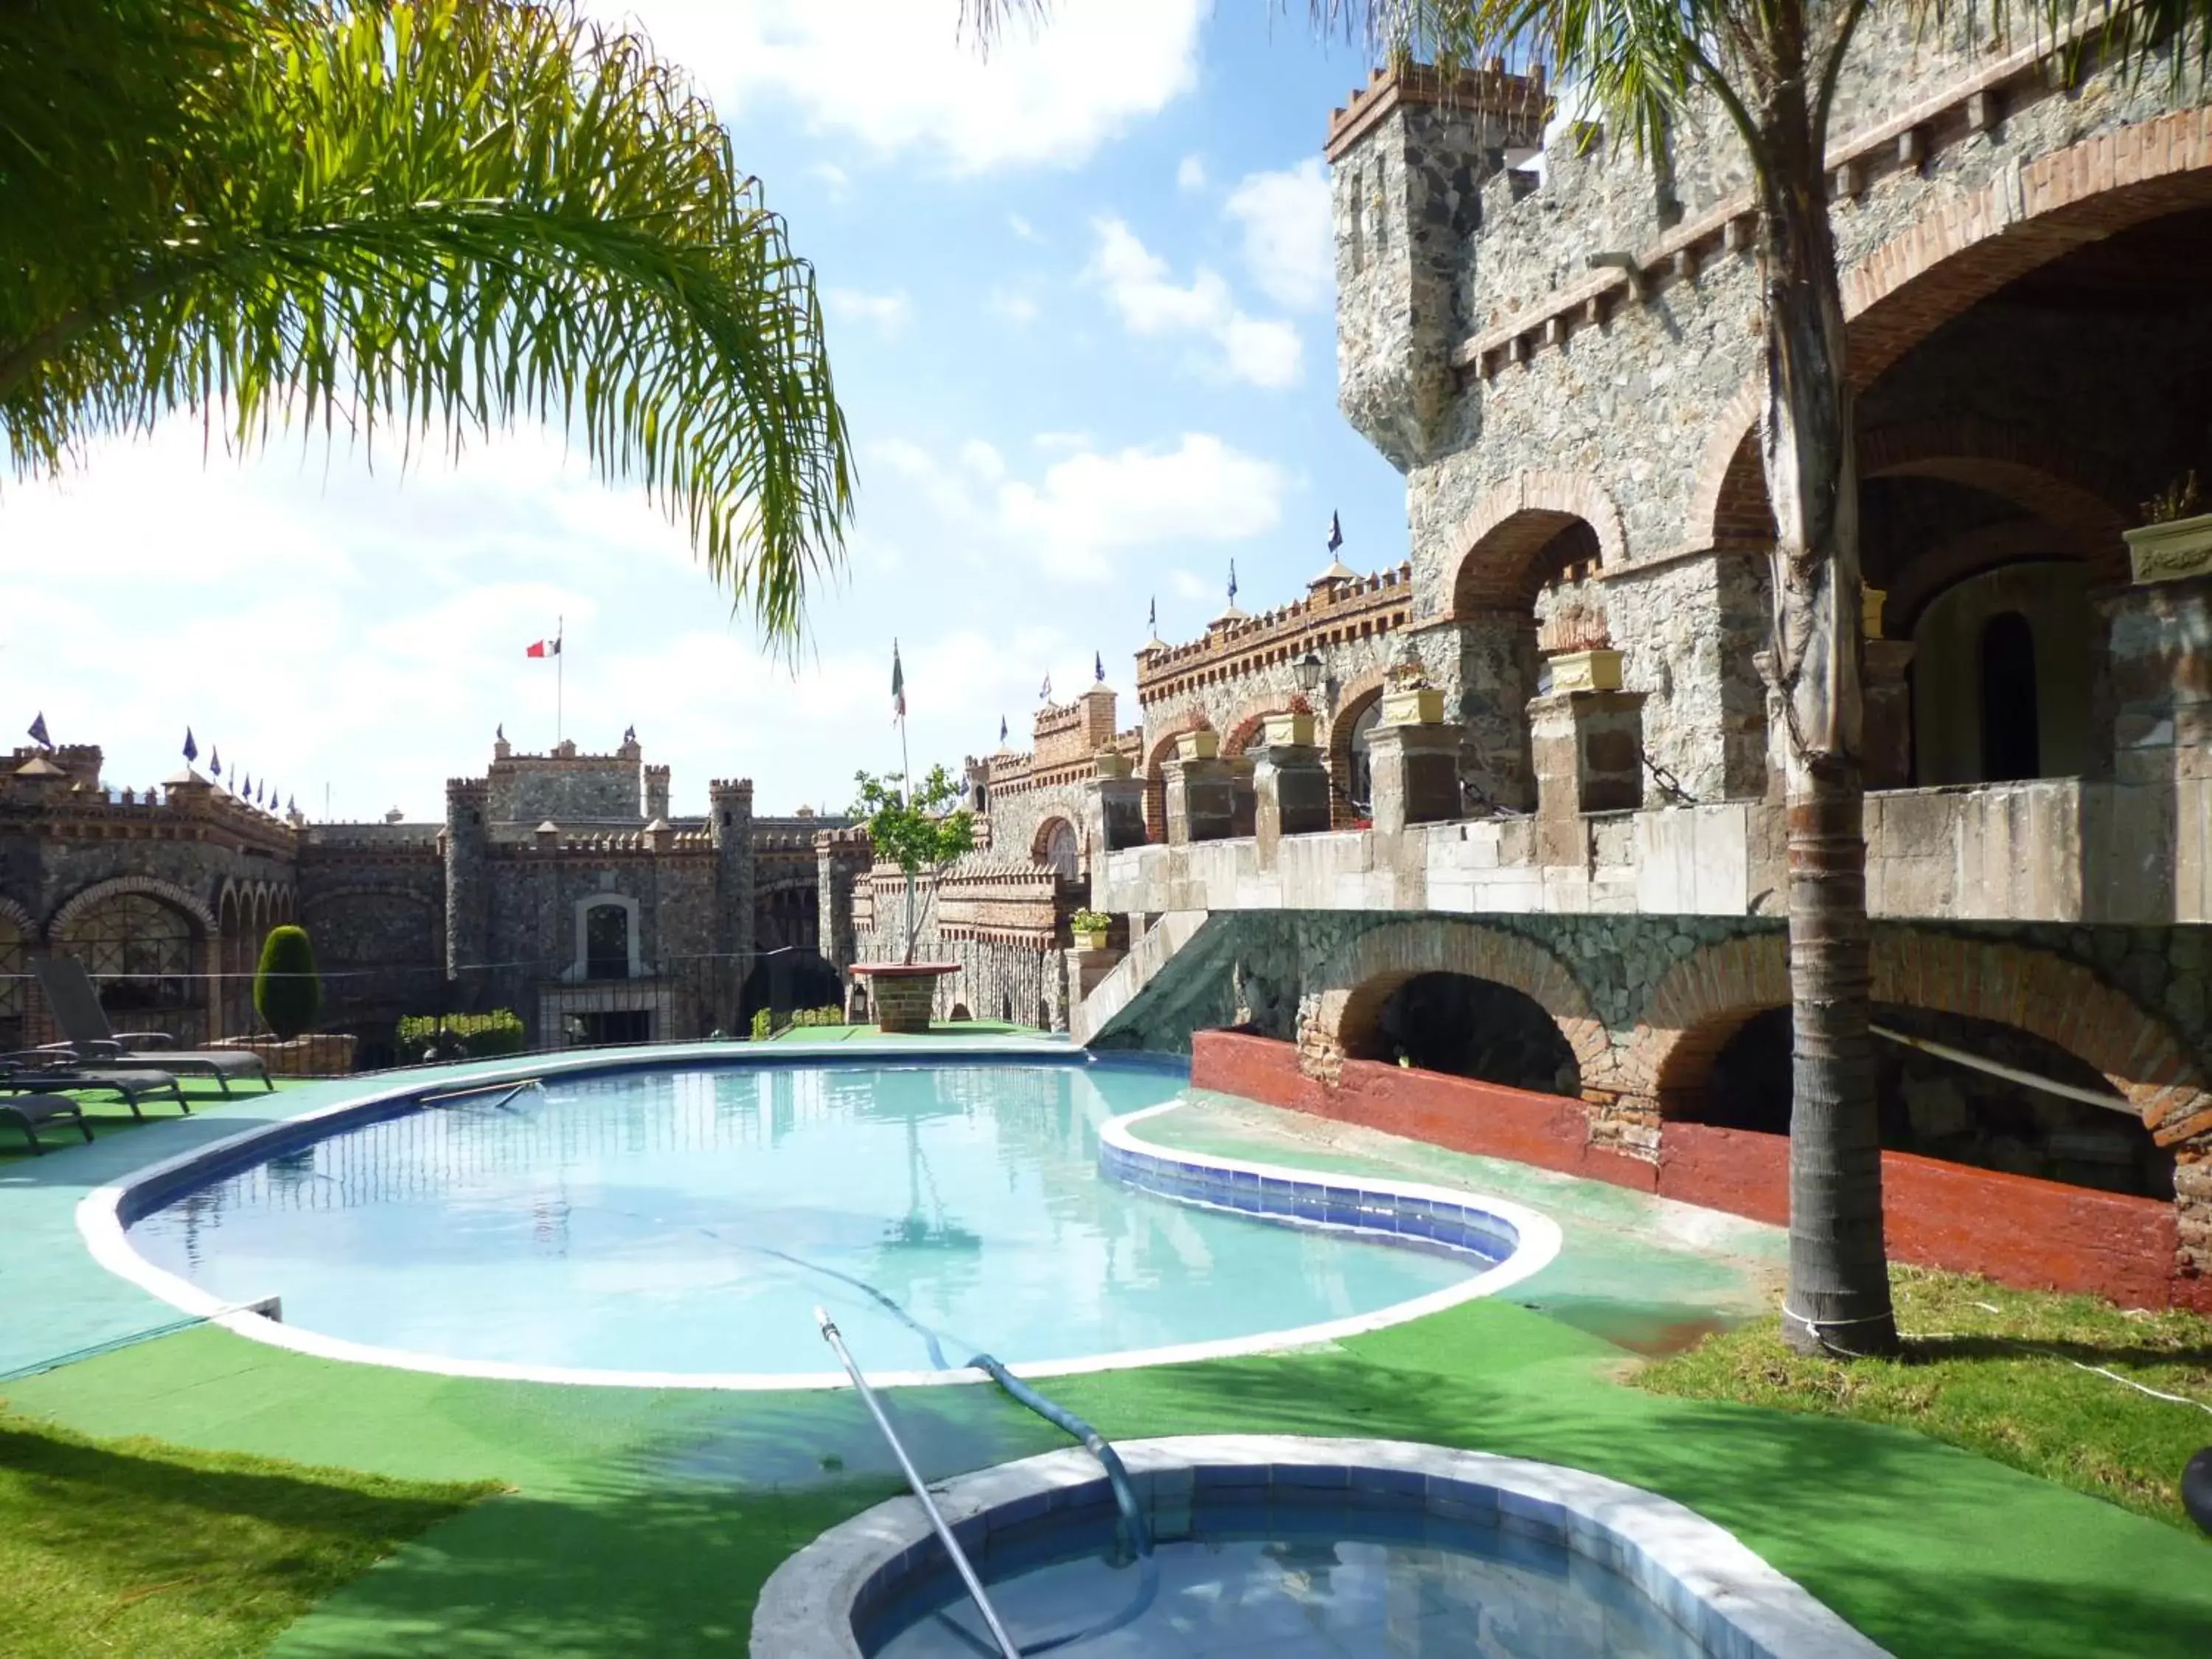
(439, 217)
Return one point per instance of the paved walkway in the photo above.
(645, 1521)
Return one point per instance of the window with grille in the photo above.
(143, 954)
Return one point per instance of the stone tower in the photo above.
(730, 819)
(468, 876)
(1408, 155)
(841, 857)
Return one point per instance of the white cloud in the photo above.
(900, 75)
(1015, 307)
(1185, 585)
(834, 179)
(1021, 228)
(981, 459)
(888, 313)
(1190, 173)
(1092, 504)
(1289, 247)
(1060, 442)
(1152, 305)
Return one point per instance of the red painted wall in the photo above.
(2008, 1228)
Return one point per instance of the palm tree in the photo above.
(419, 217)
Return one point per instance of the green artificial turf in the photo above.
(2002, 1372)
(648, 1521)
(129, 1546)
(107, 1115)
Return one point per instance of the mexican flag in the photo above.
(543, 649)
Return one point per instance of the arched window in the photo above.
(2011, 748)
(1359, 783)
(1063, 850)
(139, 952)
(14, 970)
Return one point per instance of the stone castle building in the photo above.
(556, 885)
(1489, 846)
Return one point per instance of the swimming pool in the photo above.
(678, 1224)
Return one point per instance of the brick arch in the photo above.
(1156, 754)
(1975, 553)
(1040, 842)
(1255, 709)
(1956, 255)
(1704, 999)
(1504, 531)
(1356, 697)
(167, 891)
(15, 915)
(2015, 464)
(1360, 977)
(329, 897)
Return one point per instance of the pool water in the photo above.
(1291, 1583)
(688, 1220)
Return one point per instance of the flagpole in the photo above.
(560, 674)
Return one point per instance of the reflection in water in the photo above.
(1290, 1582)
(689, 1220)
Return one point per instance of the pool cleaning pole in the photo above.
(914, 1479)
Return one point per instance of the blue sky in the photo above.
(1079, 305)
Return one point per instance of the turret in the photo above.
(1408, 155)
(730, 822)
(468, 876)
(841, 857)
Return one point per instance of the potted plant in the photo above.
(1089, 928)
(2176, 537)
(919, 828)
(1295, 725)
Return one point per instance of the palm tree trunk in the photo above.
(1838, 1287)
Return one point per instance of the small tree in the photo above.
(287, 991)
(925, 833)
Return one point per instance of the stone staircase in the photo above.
(1114, 997)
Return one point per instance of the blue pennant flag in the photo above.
(1152, 619)
(214, 761)
(38, 731)
(1232, 581)
(1044, 691)
(293, 805)
(1335, 533)
(191, 748)
(1098, 666)
(1002, 730)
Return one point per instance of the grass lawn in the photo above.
(130, 1546)
(2001, 1372)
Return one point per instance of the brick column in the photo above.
(1588, 744)
(1243, 797)
(1886, 744)
(2157, 684)
(1291, 787)
(1413, 756)
(1114, 806)
(1201, 807)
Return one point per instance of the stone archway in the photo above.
(1701, 1002)
(1958, 253)
(1359, 979)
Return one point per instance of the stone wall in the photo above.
(1005, 923)
(567, 787)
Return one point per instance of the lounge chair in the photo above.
(41, 1070)
(75, 1007)
(37, 1112)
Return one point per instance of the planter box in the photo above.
(1112, 763)
(319, 1054)
(1420, 705)
(1091, 939)
(1197, 746)
(1285, 731)
(904, 993)
(2168, 552)
(1586, 671)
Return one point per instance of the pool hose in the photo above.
(1124, 1496)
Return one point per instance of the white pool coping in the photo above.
(99, 1224)
(1700, 1574)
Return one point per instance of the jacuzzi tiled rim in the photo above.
(1727, 1598)
(1527, 1240)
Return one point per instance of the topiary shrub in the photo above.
(287, 991)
